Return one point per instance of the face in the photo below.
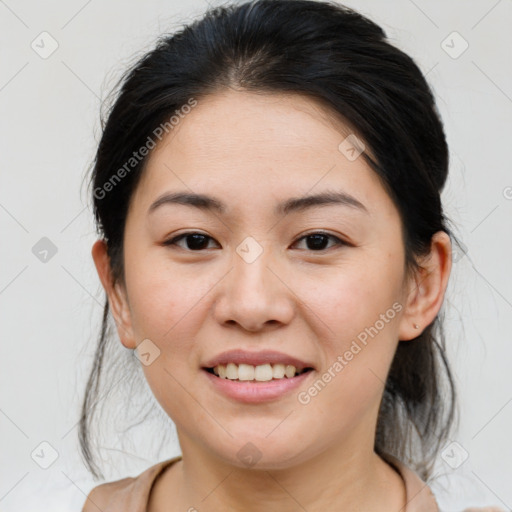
(320, 283)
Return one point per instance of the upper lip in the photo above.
(256, 358)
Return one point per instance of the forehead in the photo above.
(249, 122)
(254, 147)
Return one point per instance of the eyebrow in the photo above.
(295, 204)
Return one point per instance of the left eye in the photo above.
(317, 241)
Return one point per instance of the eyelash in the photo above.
(173, 241)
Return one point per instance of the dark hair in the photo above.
(331, 54)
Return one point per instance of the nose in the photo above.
(255, 295)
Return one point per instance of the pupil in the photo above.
(318, 239)
(196, 244)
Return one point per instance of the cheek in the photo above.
(357, 327)
(349, 300)
(163, 297)
(166, 308)
(356, 312)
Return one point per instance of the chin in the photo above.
(262, 453)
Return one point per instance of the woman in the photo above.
(274, 249)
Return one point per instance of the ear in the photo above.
(426, 290)
(116, 294)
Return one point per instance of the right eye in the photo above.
(193, 240)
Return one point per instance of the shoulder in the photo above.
(420, 497)
(108, 495)
(129, 494)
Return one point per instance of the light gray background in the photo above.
(51, 310)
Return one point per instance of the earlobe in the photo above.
(116, 295)
(427, 290)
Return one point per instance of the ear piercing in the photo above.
(416, 326)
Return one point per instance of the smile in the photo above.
(254, 377)
(256, 391)
(259, 373)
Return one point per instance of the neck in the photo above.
(344, 478)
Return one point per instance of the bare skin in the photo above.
(252, 152)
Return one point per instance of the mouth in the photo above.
(260, 373)
(256, 384)
(256, 377)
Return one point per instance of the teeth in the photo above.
(261, 373)
(231, 371)
(245, 372)
(289, 371)
(278, 371)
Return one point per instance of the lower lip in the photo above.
(255, 391)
